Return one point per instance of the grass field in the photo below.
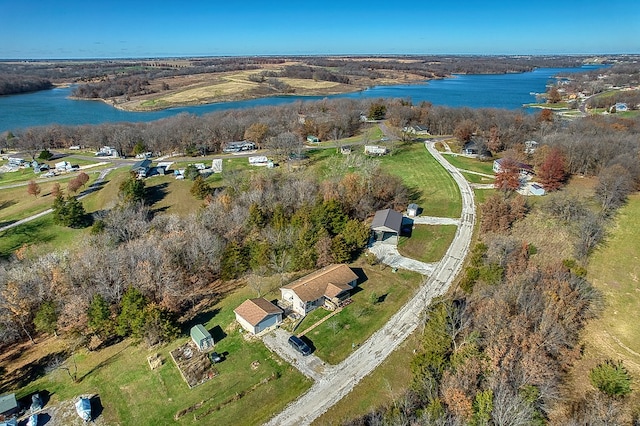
(472, 164)
(428, 243)
(336, 338)
(614, 269)
(380, 388)
(432, 187)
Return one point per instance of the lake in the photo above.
(508, 91)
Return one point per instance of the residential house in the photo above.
(530, 147)
(386, 226)
(239, 146)
(329, 285)
(107, 151)
(8, 406)
(313, 139)
(201, 337)
(258, 315)
(375, 150)
(416, 129)
(525, 169)
(141, 168)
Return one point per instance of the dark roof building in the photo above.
(386, 226)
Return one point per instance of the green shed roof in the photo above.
(8, 402)
(198, 333)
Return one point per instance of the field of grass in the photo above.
(472, 164)
(336, 338)
(41, 235)
(432, 187)
(380, 388)
(614, 269)
(16, 203)
(428, 243)
(240, 394)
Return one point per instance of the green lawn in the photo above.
(336, 338)
(42, 234)
(480, 195)
(380, 388)
(472, 164)
(475, 178)
(428, 243)
(432, 187)
(127, 387)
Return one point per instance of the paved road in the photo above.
(337, 381)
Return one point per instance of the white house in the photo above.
(258, 160)
(375, 150)
(258, 315)
(331, 284)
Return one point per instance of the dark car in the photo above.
(299, 345)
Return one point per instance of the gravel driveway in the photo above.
(337, 381)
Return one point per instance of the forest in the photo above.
(11, 84)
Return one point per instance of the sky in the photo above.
(73, 29)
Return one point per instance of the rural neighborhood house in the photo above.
(386, 226)
(330, 284)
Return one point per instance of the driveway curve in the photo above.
(337, 381)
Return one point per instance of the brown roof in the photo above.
(328, 281)
(255, 310)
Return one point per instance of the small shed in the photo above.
(386, 226)
(201, 337)
(535, 189)
(412, 210)
(8, 405)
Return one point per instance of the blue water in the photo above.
(509, 91)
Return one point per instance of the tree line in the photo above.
(14, 84)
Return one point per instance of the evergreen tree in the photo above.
(132, 190)
(99, 315)
(46, 318)
(200, 189)
(68, 212)
(611, 378)
(131, 319)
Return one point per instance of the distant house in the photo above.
(258, 160)
(330, 285)
(201, 337)
(412, 210)
(239, 146)
(386, 226)
(107, 151)
(141, 168)
(257, 315)
(313, 139)
(16, 162)
(524, 169)
(416, 129)
(63, 166)
(8, 405)
(375, 150)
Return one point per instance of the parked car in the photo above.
(215, 357)
(299, 345)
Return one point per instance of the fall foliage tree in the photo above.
(33, 188)
(464, 130)
(552, 172)
(508, 178)
(257, 132)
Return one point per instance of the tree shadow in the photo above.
(21, 377)
(104, 363)
(7, 203)
(96, 407)
(202, 317)
(362, 277)
(156, 193)
(414, 193)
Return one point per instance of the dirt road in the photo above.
(337, 381)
